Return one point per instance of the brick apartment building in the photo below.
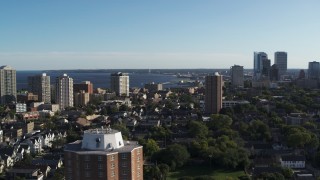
(102, 154)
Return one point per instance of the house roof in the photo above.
(293, 158)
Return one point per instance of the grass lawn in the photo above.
(193, 171)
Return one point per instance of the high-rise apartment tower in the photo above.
(64, 91)
(120, 83)
(213, 93)
(102, 154)
(40, 85)
(8, 85)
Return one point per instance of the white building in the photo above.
(40, 85)
(8, 85)
(229, 104)
(293, 161)
(237, 76)
(64, 91)
(21, 107)
(120, 83)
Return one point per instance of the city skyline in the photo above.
(155, 35)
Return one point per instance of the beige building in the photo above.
(81, 98)
(154, 87)
(120, 83)
(64, 91)
(213, 93)
(102, 154)
(8, 85)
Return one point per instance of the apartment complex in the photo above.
(40, 85)
(213, 93)
(8, 85)
(102, 154)
(120, 83)
(64, 91)
(86, 86)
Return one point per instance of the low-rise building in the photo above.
(293, 161)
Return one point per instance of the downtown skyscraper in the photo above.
(314, 70)
(237, 79)
(8, 85)
(64, 91)
(40, 85)
(213, 93)
(281, 60)
(260, 63)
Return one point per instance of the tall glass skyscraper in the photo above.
(314, 70)
(281, 60)
(258, 62)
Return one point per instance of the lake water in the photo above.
(100, 79)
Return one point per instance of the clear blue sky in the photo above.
(88, 34)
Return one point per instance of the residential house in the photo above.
(293, 161)
(26, 173)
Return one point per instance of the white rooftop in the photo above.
(102, 139)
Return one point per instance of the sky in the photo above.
(134, 34)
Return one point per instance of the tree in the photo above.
(198, 129)
(259, 131)
(287, 173)
(219, 121)
(164, 169)
(175, 154)
(124, 130)
(151, 147)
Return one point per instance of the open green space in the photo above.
(193, 171)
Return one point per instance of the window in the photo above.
(124, 156)
(138, 166)
(112, 157)
(124, 172)
(87, 158)
(99, 158)
(113, 173)
(139, 159)
(99, 166)
(138, 151)
(124, 164)
(87, 166)
(87, 174)
(100, 174)
(112, 165)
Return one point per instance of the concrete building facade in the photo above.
(64, 91)
(8, 85)
(40, 85)
(237, 79)
(120, 83)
